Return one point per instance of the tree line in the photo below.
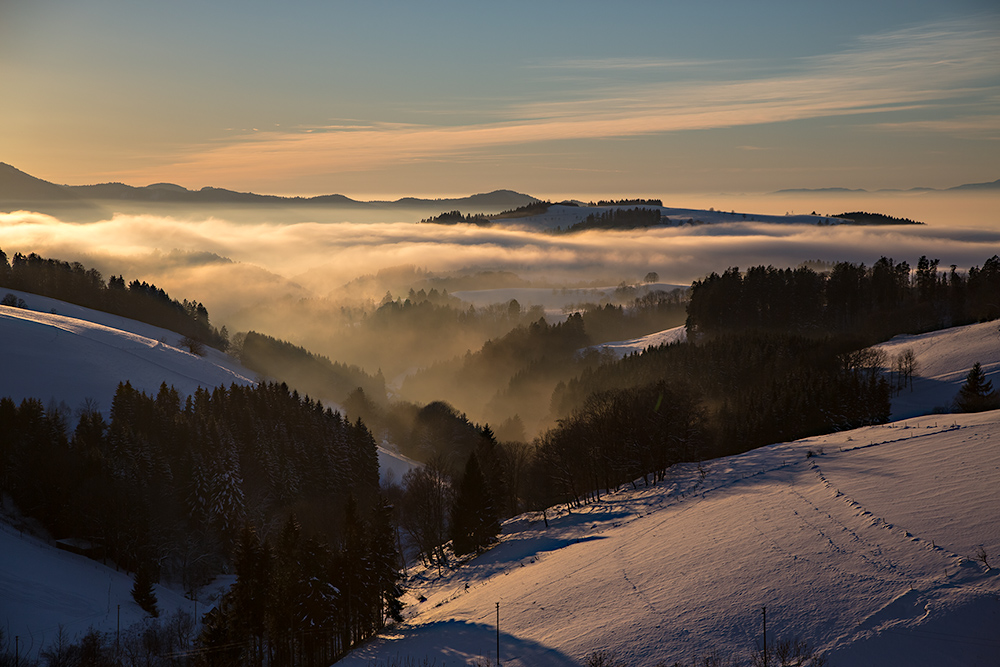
(874, 302)
(138, 300)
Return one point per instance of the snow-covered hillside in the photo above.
(62, 353)
(624, 348)
(943, 362)
(562, 217)
(862, 543)
(56, 351)
(43, 589)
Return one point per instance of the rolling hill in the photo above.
(861, 543)
(875, 546)
(872, 544)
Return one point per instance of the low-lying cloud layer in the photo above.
(232, 265)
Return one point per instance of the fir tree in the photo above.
(474, 522)
(142, 590)
(977, 394)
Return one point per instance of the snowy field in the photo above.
(866, 549)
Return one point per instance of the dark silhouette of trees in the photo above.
(426, 502)
(456, 217)
(977, 393)
(873, 303)
(864, 218)
(618, 218)
(474, 522)
(142, 589)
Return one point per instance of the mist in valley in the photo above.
(410, 306)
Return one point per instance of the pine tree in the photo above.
(474, 522)
(142, 590)
(977, 394)
(385, 560)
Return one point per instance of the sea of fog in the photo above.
(236, 259)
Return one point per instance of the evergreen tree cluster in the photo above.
(875, 303)
(444, 500)
(456, 217)
(534, 208)
(619, 218)
(299, 600)
(627, 202)
(474, 519)
(172, 483)
(865, 218)
(654, 311)
(977, 393)
(74, 283)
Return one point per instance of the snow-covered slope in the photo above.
(943, 362)
(866, 549)
(55, 351)
(43, 589)
(624, 348)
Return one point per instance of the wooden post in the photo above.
(763, 613)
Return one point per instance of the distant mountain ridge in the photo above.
(991, 185)
(17, 186)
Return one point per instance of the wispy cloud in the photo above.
(627, 64)
(904, 70)
(985, 127)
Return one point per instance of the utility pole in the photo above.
(763, 613)
(17, 650)
(498, 634)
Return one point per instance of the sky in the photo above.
(438, 98)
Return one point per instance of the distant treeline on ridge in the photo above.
(76, 284)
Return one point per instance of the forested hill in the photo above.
(76, 284)
(863, 218)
